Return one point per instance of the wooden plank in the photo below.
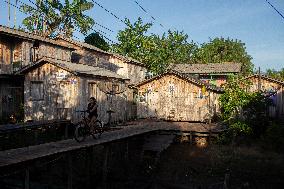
(20, 155)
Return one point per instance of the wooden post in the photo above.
(105, 165)
(89, 165)
(259, 80)
(190, 137)
(70, 177)
(27, 178)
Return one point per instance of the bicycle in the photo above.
(83, 128)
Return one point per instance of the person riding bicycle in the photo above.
(92, 110)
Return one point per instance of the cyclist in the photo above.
(93, 111)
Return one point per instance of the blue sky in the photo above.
(253, 22)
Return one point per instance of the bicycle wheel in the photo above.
(98, 130)
(80, 132)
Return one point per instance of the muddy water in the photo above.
(152, 160)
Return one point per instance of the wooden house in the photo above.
(271, 88)
(17, 50)
(91, 55)
(213, 74)
(174, 96)
(58, 89)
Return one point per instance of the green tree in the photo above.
(243, 111)
(221, 50)
(155, 51)
(51, 17)
(275, 74)
(133, 40)
(96, 40)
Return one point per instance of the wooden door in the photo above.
(153, 102)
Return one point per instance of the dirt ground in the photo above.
(187, 166)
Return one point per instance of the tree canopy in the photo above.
(221, 50)
(96, 40)
(173, 47)
(51, 17)
(155, 51)
(275, 74)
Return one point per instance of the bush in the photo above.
(273, 138)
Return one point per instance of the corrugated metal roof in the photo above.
(78, 69)
(206, 68)
(30, 36)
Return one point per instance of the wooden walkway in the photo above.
(20, 155)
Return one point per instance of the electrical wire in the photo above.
(95, 30)
(144, 10)
(274, 9)
(109, 12)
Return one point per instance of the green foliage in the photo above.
(240, 128)
(96, 40)
(244, 112)
(234, 98)
(221, 50)
(273, 138)
(275, 74)
(51, 17)
(155, 51)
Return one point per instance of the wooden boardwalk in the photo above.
(20, 155)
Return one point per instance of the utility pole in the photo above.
(15, 12)
(9, 3)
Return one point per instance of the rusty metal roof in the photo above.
(211, 68)
(77, 69)
(30, 36)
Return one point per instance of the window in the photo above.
(92, 90)
(36, 90)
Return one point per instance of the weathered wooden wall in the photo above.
(269, 86)
(173, 98)
(16, 53)
(64, 94)
(6, 56)
(136, 73)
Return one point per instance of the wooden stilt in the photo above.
(70, 176)
(89, 166)
(105, 166)
(27, 178)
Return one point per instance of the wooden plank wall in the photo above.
(269, 85)
(183, 103)
(58, 93)
(135, 73)
(64, 94)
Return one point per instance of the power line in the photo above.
(274, 9)
(104, 27)
(109, 12)
(95, 22)
(144, 10)
(97, 30)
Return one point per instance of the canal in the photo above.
(151, 160)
